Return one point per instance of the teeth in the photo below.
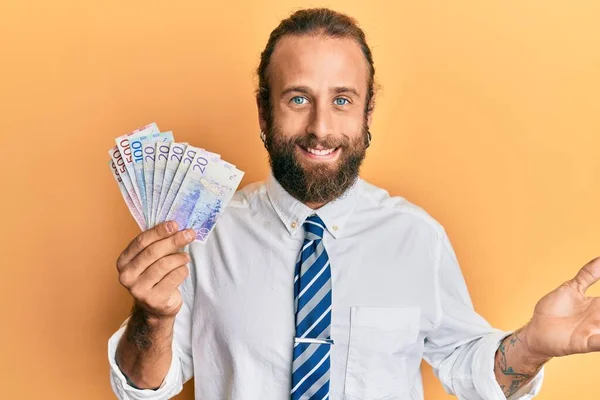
(320, 152)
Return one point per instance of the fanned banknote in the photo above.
(162, 152)
(134, 140)
(149, 146)
(137, 215)
(191, 187)
(160, 179)
(174, 158)
(218, 187)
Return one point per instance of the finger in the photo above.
(157, 271)
(172, 280)
(588, 275)
(145, 239)
(159, 249)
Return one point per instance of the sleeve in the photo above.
(462, 346)
(181, 369)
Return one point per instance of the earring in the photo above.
(263, 137)
(369, 138)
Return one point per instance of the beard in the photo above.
(315, 182)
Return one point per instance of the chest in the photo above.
(244, 287)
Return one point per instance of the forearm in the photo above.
(514, 364)
(144, 352)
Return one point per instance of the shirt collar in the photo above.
(293, 213)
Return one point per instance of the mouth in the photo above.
(320, 154)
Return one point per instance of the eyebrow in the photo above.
(334, 90)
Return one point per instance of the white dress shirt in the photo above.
(398, 297)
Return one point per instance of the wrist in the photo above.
(153, 321)
(530, 354)
(160, 322)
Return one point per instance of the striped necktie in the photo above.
(312, 296)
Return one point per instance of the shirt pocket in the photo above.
(381, 339)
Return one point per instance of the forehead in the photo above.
(319, 62)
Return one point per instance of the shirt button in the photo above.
(293, 225)
(335, 227)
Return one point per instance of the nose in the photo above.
(320, 122)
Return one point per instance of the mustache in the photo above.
(328, 142)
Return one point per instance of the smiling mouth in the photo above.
(319, 154)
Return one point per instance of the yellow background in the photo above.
(489, 119)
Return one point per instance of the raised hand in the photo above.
(565, 321)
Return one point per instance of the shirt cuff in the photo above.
(170, 386)
(484, 378)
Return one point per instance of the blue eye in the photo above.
(295, 100)
(342, 104)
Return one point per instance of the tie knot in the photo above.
(314, 226)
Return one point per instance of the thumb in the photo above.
(594, 343)
(587, 275)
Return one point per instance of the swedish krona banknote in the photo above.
(162, 180)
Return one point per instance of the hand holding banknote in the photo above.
(176, 193)
(151, 268)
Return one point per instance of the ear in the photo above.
(261, 121)
(370, 113)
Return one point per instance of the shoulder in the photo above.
(247, 195)
(388, 207)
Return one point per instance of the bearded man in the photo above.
(316, 284)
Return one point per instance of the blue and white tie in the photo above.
(312, 294)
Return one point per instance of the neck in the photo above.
(315, 206)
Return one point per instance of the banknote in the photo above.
(176, 153)
(182, 168)
(123, 144)
(191, 187)
(117, 158)
(190, 155)
(137, 216)
(135, 143)
(218, 185)
(160, 163)
(149, 157)
(149, 150)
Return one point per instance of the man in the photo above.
(316, 284)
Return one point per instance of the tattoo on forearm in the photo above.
(139, 331)
(516, 379)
